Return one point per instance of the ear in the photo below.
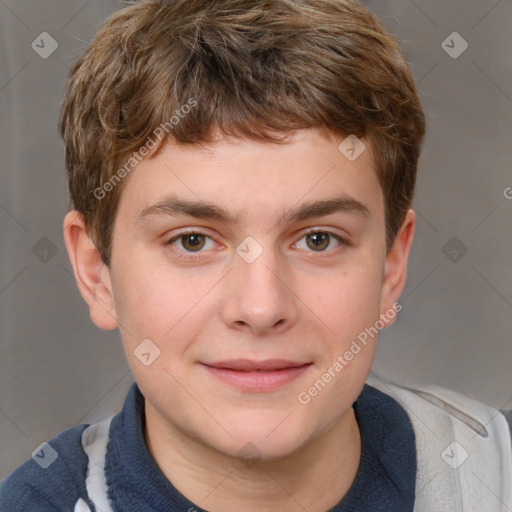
(91, 274)
(396, 268)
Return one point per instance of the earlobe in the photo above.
(91, 274)
(396, 265)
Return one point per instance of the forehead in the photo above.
(247, 177)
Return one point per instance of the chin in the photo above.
(264, 440)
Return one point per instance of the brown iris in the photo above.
(193, 242)
(318, 241)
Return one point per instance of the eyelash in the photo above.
(193, 255)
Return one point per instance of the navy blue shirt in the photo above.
(385, 480)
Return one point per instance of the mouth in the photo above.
(257, 376)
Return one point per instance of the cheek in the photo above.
(146, 304)
(346, 302)
(160, 304)
(155, 312)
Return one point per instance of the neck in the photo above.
(315, 477)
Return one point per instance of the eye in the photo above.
(319, 241)
(193, 241)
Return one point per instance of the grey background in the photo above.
(57, 369)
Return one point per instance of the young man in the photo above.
(241, 175)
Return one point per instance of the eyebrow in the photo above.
(202, 210)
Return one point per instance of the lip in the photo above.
(257, 376)
(251, 365)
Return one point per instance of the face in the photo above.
(240, 274)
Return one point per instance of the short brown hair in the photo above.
(257, 69)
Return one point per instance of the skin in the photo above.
(294, 302)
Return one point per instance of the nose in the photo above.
(259, 295)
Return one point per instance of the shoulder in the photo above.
(53, 479)
(431, 400)
(508, 417)
(463, 449)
